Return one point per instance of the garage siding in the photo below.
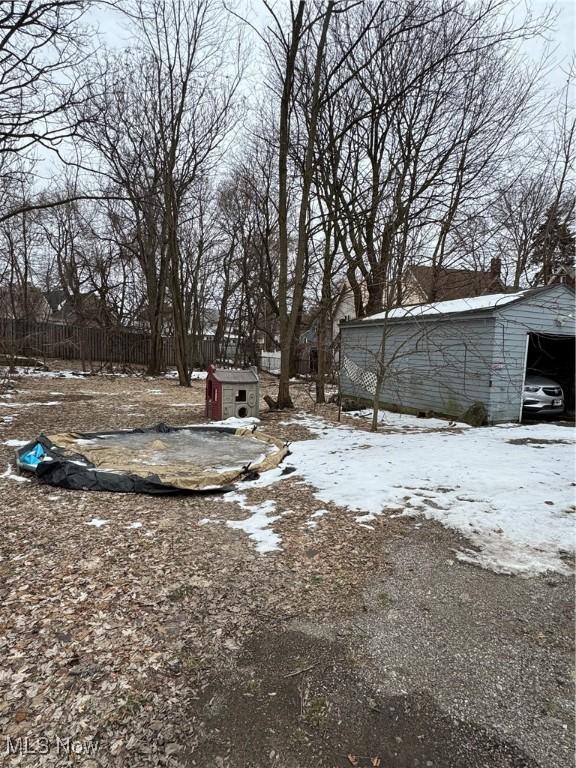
(432, 365)
(553, 313)
(444, 365)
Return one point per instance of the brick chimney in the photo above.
(495, 268)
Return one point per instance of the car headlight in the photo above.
(531, 389)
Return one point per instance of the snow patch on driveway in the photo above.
(513, 501)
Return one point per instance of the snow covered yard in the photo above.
(510, 489)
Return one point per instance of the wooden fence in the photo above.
(93, 345)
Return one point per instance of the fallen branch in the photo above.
(301, 671)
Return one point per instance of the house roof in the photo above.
(456, 283)
(235, 376)
(56, 298)
(23, 302)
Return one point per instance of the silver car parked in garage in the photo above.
(542, 396)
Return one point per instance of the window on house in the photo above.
(241, 396)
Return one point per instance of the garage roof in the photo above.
(455, 306)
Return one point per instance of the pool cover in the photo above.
(158, 460)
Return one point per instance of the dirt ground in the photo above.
(178, 644)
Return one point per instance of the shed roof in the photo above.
(235, 376)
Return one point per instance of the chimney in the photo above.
(495, 268)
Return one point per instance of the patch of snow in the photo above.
(257, 525)
(15, 443)
(98, 522)
(312, 523)
(266, 478)
(29, 405)
(9, 475)
(194, 376)
(37, 373)
(472, 304)
(233, 421)
(184, 405)
(134, 525)
(405, 421)
(515, 502)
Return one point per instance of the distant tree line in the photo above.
(226, 177)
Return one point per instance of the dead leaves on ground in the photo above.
(112, 633)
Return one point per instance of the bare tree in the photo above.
(440, 107)
(40, 44)
(159, 121)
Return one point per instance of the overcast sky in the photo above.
(115, 32)
(114, 29)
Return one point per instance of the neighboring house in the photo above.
(344, 308)
(419, 283)
(23, 303)
(564, 274)
(446, 356)
(56, 298)
(141, 320)
(423, 284)
(84, 309)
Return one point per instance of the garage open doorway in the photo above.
(549, 357)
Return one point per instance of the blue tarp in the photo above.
(33, 457)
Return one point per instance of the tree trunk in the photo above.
(323, 318)
(178, 313)
(375, 289)
(380, 376)
(155, 362)
(288, 320)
